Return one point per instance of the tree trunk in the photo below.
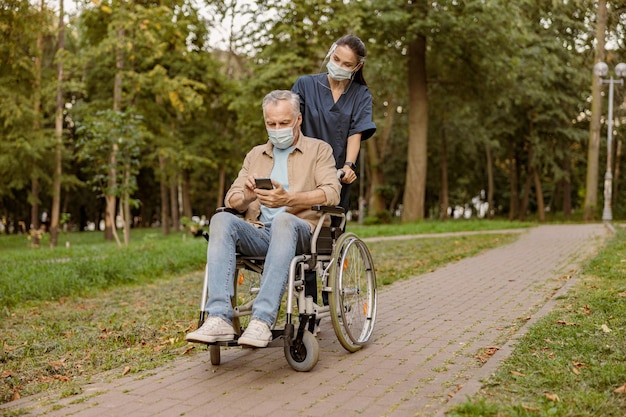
(34, 209)
(126, 204)
(110, 230)
(541, 209)
(566, 186)
(591, 195)
(221, 183)
(34, 186)
(526, 197)
(174, 203)
(187, 210)
(490, 181)
(375, 149)
(415, 184)
(444, 199)
(111, 200)
(58, 133)
(530, 176)
(377, 203)
(513, 184)
(165, 217)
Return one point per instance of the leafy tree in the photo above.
(168, 77)
(27, 56)
(110, 132)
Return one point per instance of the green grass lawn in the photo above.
(85, 263)
(91, 310)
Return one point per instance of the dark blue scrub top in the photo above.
(332, 122)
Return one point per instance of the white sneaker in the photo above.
(257, 334)
(214, 329)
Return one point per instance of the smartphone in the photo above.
(264, 183)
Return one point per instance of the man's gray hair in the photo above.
(277, 95)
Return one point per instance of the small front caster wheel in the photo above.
(303, 356)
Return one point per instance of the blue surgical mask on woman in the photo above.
(281, 138)
(338, 73)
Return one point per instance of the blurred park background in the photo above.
(138, 113)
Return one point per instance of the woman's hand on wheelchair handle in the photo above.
(349, 176)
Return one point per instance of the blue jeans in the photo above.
(278, 242)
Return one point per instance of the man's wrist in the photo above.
(350, 165)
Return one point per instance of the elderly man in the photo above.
(278, 221)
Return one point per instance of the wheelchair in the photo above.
(345, 271)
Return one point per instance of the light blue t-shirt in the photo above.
(280, 175)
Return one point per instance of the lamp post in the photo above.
(601, 69)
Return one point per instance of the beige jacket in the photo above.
(310, 165)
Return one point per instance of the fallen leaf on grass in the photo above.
(565, 323)
(579, 364)
(189, 349)
(126, 370)
(576, 371)
(553, 397)
(565, 277)
(456, 389)
(517, 373)
(58, 364)
(620, 390)
(605, 328)
(8, 348)
(527, 408)
(586, 310)
(7, 373)
(488, 352)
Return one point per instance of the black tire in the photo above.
(303, 358)
(354, 296)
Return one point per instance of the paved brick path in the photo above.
(422, 357)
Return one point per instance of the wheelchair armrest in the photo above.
(228, 210)
(332, 210)
(330, 234)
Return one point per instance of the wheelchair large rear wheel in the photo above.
(353, 300)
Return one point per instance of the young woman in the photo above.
(336, 106)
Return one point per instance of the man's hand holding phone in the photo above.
(270, 194)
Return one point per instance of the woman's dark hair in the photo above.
(358, 47)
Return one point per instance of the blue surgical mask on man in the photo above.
(281, 138)
(338, 73)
